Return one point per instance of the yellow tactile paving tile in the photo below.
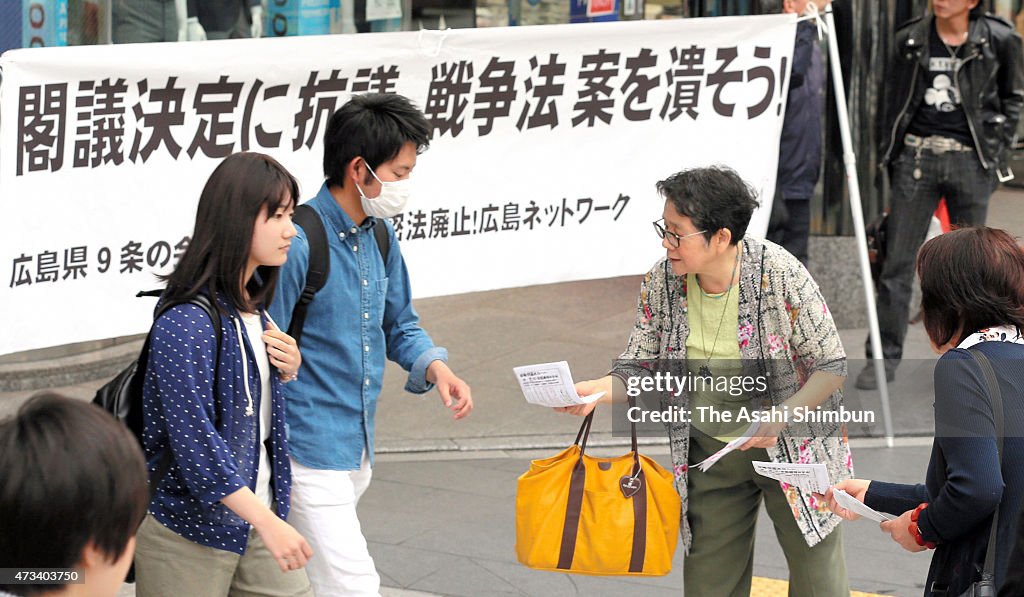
(772, 587)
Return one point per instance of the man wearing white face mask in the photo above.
(362, 314)
(391, 200)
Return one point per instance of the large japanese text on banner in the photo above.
(547, 144)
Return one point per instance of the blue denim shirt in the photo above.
(211, 460)
(363, 315)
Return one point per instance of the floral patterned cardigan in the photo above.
(783, 324)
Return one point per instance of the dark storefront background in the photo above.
(865, 30)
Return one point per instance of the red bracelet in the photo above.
(916, 532)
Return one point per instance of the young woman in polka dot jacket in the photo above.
(216, 525)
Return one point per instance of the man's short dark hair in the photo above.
(70, 476)
(971, 278)
(713, 198)
(375, 126)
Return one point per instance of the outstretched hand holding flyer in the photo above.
(550, 384)
(855, 506)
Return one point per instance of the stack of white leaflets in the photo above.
(808, 477)
(550, 384)
(814, 478)
(857, 507)
(710, 461)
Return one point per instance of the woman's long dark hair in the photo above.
(971, 278)
(218, 252)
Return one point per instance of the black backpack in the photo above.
(122, 396)
(320, 261)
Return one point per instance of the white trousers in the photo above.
(324, 512)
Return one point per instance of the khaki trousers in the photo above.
(168, 565)
(724, 504)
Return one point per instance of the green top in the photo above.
(712, 343)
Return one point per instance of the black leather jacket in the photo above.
(991, 81)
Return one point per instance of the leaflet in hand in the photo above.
(808, 477)
(857, 507)
(710, 461)
(550, 384)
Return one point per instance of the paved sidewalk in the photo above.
(444, 524)
(448, 527)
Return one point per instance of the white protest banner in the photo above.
(548, 141)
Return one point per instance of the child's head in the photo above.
(73, 490)
(244, 187)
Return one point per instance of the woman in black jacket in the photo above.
(972, 283)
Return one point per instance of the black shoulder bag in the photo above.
(122, 396)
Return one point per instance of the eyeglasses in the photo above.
(673, 238)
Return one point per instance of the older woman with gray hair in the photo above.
(725, 303)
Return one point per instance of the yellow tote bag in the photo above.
(603, 516)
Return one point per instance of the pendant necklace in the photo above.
(949, 48)
(705, 369)
(952, 53)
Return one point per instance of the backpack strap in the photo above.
(200, 300)
(380, 232)
(940, 585)
(320, 261)
(206, 304)
(319, 265)
(995, 397)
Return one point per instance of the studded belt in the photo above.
(935, 143)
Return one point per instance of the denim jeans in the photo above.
(966, 185)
